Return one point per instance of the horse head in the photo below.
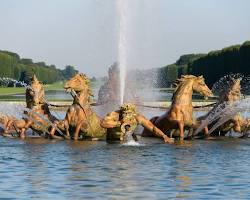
(233, 92)
(200, 86)
(35, 93)
(229, 87)
(79, 84)
(197, 82)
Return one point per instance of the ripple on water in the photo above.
(84, 170)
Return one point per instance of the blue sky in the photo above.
(85, 33)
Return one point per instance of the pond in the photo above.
(37, 168)
(151, 94)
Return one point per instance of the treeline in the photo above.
(215, 64)
(169, 73)
(233, 59)
(12, 66)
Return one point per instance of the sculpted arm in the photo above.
(151, 127)
(111, 120)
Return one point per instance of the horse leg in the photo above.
(77, 130)
(66, 126)
(181, 128)
(66, 123)
(23, 129)
(82, 126)
(22, 133)
(53, 129)
(206, 131)
(57, 125)
(7, 126)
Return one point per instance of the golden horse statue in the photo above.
(228, 94)
(80, 118)
(180, 114)
(38, 116)
(125, 120)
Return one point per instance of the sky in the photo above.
(85, 33)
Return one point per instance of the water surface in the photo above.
(48, 169)
(41, 169)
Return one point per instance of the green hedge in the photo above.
(12, 66)
(215, 64)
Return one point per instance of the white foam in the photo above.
(133, 143)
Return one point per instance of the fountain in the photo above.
(122, 45)
(130, 141)
(220, 114)
(45, 129)
(121, 124)
(122, 48)
(80, 117)
(180, 114)
(36, 113)
(225, 114)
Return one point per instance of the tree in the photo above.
(69, 72)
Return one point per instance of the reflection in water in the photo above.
(185, 181)
(49, 169)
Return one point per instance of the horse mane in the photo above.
(87, 83)
(29, 99)
(179, 82)
(84, 87)
(34, 79)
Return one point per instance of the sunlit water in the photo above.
(95, 170)
(49, 169)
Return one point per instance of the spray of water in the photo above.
(130, 141)
(225, 111)
(122, 46)
(229, 111)
(10, 109)
(44, 118)
(6, 81)
(17, 110)
(214, 115)
(44, 129)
